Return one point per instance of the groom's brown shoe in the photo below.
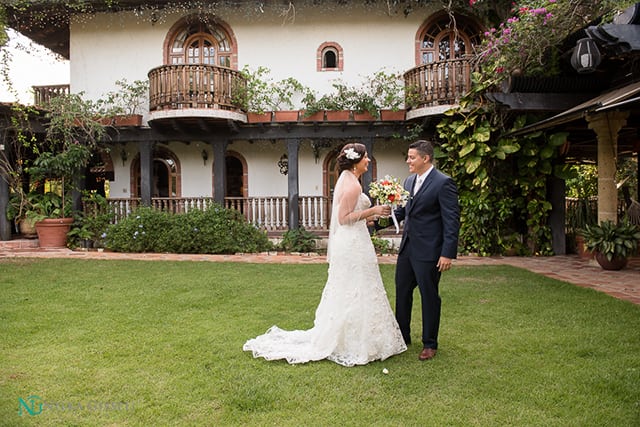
(427, 353)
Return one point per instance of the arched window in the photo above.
(442, 38)
(330, 57)
(201, 40)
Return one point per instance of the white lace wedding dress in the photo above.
(354, 323)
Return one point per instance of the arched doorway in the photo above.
(166, 175)
(236, 175)
(235, 182)
(331, 173)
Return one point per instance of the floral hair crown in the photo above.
(351, 154)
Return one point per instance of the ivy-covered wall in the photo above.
(502, 181)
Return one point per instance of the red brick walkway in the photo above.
(623, 284)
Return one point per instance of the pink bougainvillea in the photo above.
(526, 42)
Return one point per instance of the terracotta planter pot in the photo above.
(315, 117)
(614, 264)
(52, 232)
(127, 120)
(338, 116)
(363, 117)
(390, 115)
(123, 120)
(259, 117)
(582, 251)
(285, 116)
(105, 121)
(27, 229)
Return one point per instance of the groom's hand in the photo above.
(444, 264)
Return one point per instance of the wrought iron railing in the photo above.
(184, 86)
(268, 213)
(438, 83)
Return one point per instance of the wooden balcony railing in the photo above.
(438, 83)
(268, 213)
(43, 94)
(194, 86)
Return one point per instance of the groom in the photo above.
(429, 243)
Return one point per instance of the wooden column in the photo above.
(557, 198)
(367, 177)
(79, 185)
(219, 147)
(637, 197)
(5, 224)
(606, 126)
(146, 171)
(293, 146)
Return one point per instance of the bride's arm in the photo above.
(348, 202)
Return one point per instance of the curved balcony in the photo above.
(435, 87)
(203, 91)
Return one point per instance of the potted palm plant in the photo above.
(612, 243)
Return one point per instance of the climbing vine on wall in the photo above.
(502, 181)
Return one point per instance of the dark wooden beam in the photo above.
(539, 102)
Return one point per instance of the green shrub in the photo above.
(215, 230)
(90, 225)
(382, 246)
(139, 231)
(298, 240)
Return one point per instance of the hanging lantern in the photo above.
(586, 56)
(283, 164)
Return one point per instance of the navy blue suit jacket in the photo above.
(431, 218)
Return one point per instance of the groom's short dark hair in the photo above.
(424, 147)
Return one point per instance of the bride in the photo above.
(354, 323)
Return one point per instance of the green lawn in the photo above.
(137, 343)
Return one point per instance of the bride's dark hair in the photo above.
(350, 150)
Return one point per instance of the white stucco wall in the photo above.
(108, 47)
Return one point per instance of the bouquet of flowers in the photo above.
(388, 191)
